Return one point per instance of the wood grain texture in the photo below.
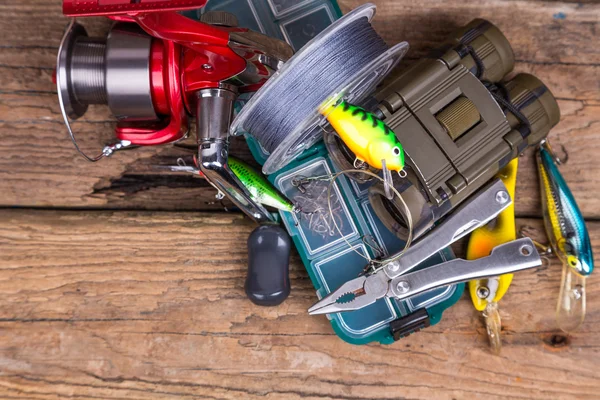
(39, 167)
(150, 305)
(143, 305)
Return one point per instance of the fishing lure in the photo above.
(568, 238)
(486, 293)
(368, 137)
(261, 190)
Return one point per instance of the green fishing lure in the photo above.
(261, 190)
(368, 137)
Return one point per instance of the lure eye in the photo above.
(396, 151)
(573, 262)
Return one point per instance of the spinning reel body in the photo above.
(155, 68)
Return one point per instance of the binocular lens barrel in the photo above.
(535, 101)
(489, 45)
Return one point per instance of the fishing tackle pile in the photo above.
(328, 140)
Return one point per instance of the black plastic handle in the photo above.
(268, 279)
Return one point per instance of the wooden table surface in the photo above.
(117, 282)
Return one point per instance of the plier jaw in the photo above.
(353, 295)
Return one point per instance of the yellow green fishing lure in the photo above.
(368, 137)
(261, 190)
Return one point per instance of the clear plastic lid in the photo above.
(354, 89)
(315, 226)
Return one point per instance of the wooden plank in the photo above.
(142, 305)
(540, 31)
(39, 167)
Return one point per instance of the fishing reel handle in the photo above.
(269, 245)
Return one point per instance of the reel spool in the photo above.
(112, 71)
(352, 87)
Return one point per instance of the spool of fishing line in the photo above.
(344, 62)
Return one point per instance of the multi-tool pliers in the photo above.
(393, 279)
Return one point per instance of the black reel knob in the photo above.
(268, 279)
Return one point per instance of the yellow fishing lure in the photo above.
(368, 137)
(484, 239)
(486, 293)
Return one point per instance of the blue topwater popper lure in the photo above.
(568, 237)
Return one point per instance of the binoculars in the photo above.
(459, 123)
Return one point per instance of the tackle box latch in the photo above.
(410, 323)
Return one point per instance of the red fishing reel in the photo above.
(153, 63)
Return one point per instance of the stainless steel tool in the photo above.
(394, 280)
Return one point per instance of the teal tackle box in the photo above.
(329, 259)
(326, 253)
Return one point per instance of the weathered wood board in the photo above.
(116, 304)
(39, 167)
(151, 305)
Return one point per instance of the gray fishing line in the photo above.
(298, 95)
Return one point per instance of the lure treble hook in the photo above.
(560, 161)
